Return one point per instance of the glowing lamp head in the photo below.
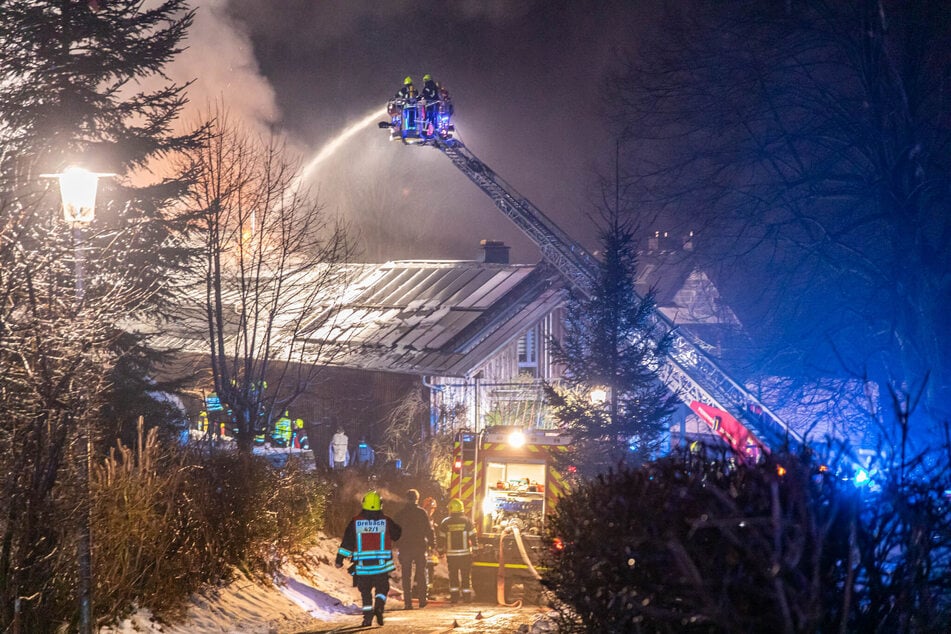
(516, 439)
(458, 464)
(598, 396)
(78, 190)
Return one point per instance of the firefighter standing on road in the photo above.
(417, 537)
(368, 541)
(457, 538)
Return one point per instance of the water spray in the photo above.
(334, 144)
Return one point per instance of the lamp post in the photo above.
(77, 188)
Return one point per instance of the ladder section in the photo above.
(688, 370)
(567, 256)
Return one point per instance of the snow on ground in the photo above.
(313, 597)
(298, 600)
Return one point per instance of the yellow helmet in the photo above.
(427, 77)
(372, 501)
(456, 506)
(407, 80)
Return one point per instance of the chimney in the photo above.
(494, 252)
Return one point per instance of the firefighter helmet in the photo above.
(456, 506)
(372, 502)
(427, 77)
(407, 80)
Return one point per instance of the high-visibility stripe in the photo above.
(364, 569)
(492, 564)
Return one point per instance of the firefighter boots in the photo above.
(453, 596)
(378, 604)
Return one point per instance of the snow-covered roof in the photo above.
(436, 317)
(414, 317)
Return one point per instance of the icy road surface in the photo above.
(438, 617)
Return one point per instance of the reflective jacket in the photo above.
(456, 535)
(430, 91)
(406, 92)
(368, 541)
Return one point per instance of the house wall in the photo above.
(500, 390)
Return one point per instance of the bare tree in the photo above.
(272, 269)
(806, 146)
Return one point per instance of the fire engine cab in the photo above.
(506, 478)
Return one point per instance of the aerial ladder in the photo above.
(748, 426)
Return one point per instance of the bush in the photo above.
(167, 521)
(689, 545)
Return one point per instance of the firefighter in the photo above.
(339, 452)
(417, 538)
(364, 456)
(298, 439)
(430, 94)
(368, 542)
(408, 91)
(457, 538)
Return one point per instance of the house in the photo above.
(472, 333)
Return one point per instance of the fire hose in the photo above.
(500, 579)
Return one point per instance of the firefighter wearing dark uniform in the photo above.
(457, 538)
(368, 541)
(407, 94)
(430, 94)
(408, 91)
(417, 538)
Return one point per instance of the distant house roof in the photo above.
(435, 317)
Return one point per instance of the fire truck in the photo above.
(507, 480)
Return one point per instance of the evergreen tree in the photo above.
(271, 272)
(71, 93)
(612, 342)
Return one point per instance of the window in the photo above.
(528, 353)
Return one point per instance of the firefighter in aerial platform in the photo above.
(430, 94)
(368, 542)
(456, 539)
(405, 95)
(408, 91)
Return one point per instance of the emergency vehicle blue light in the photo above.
(861, 477)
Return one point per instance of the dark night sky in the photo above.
(526, 80)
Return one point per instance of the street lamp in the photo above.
(598, 395)
(77, 188)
